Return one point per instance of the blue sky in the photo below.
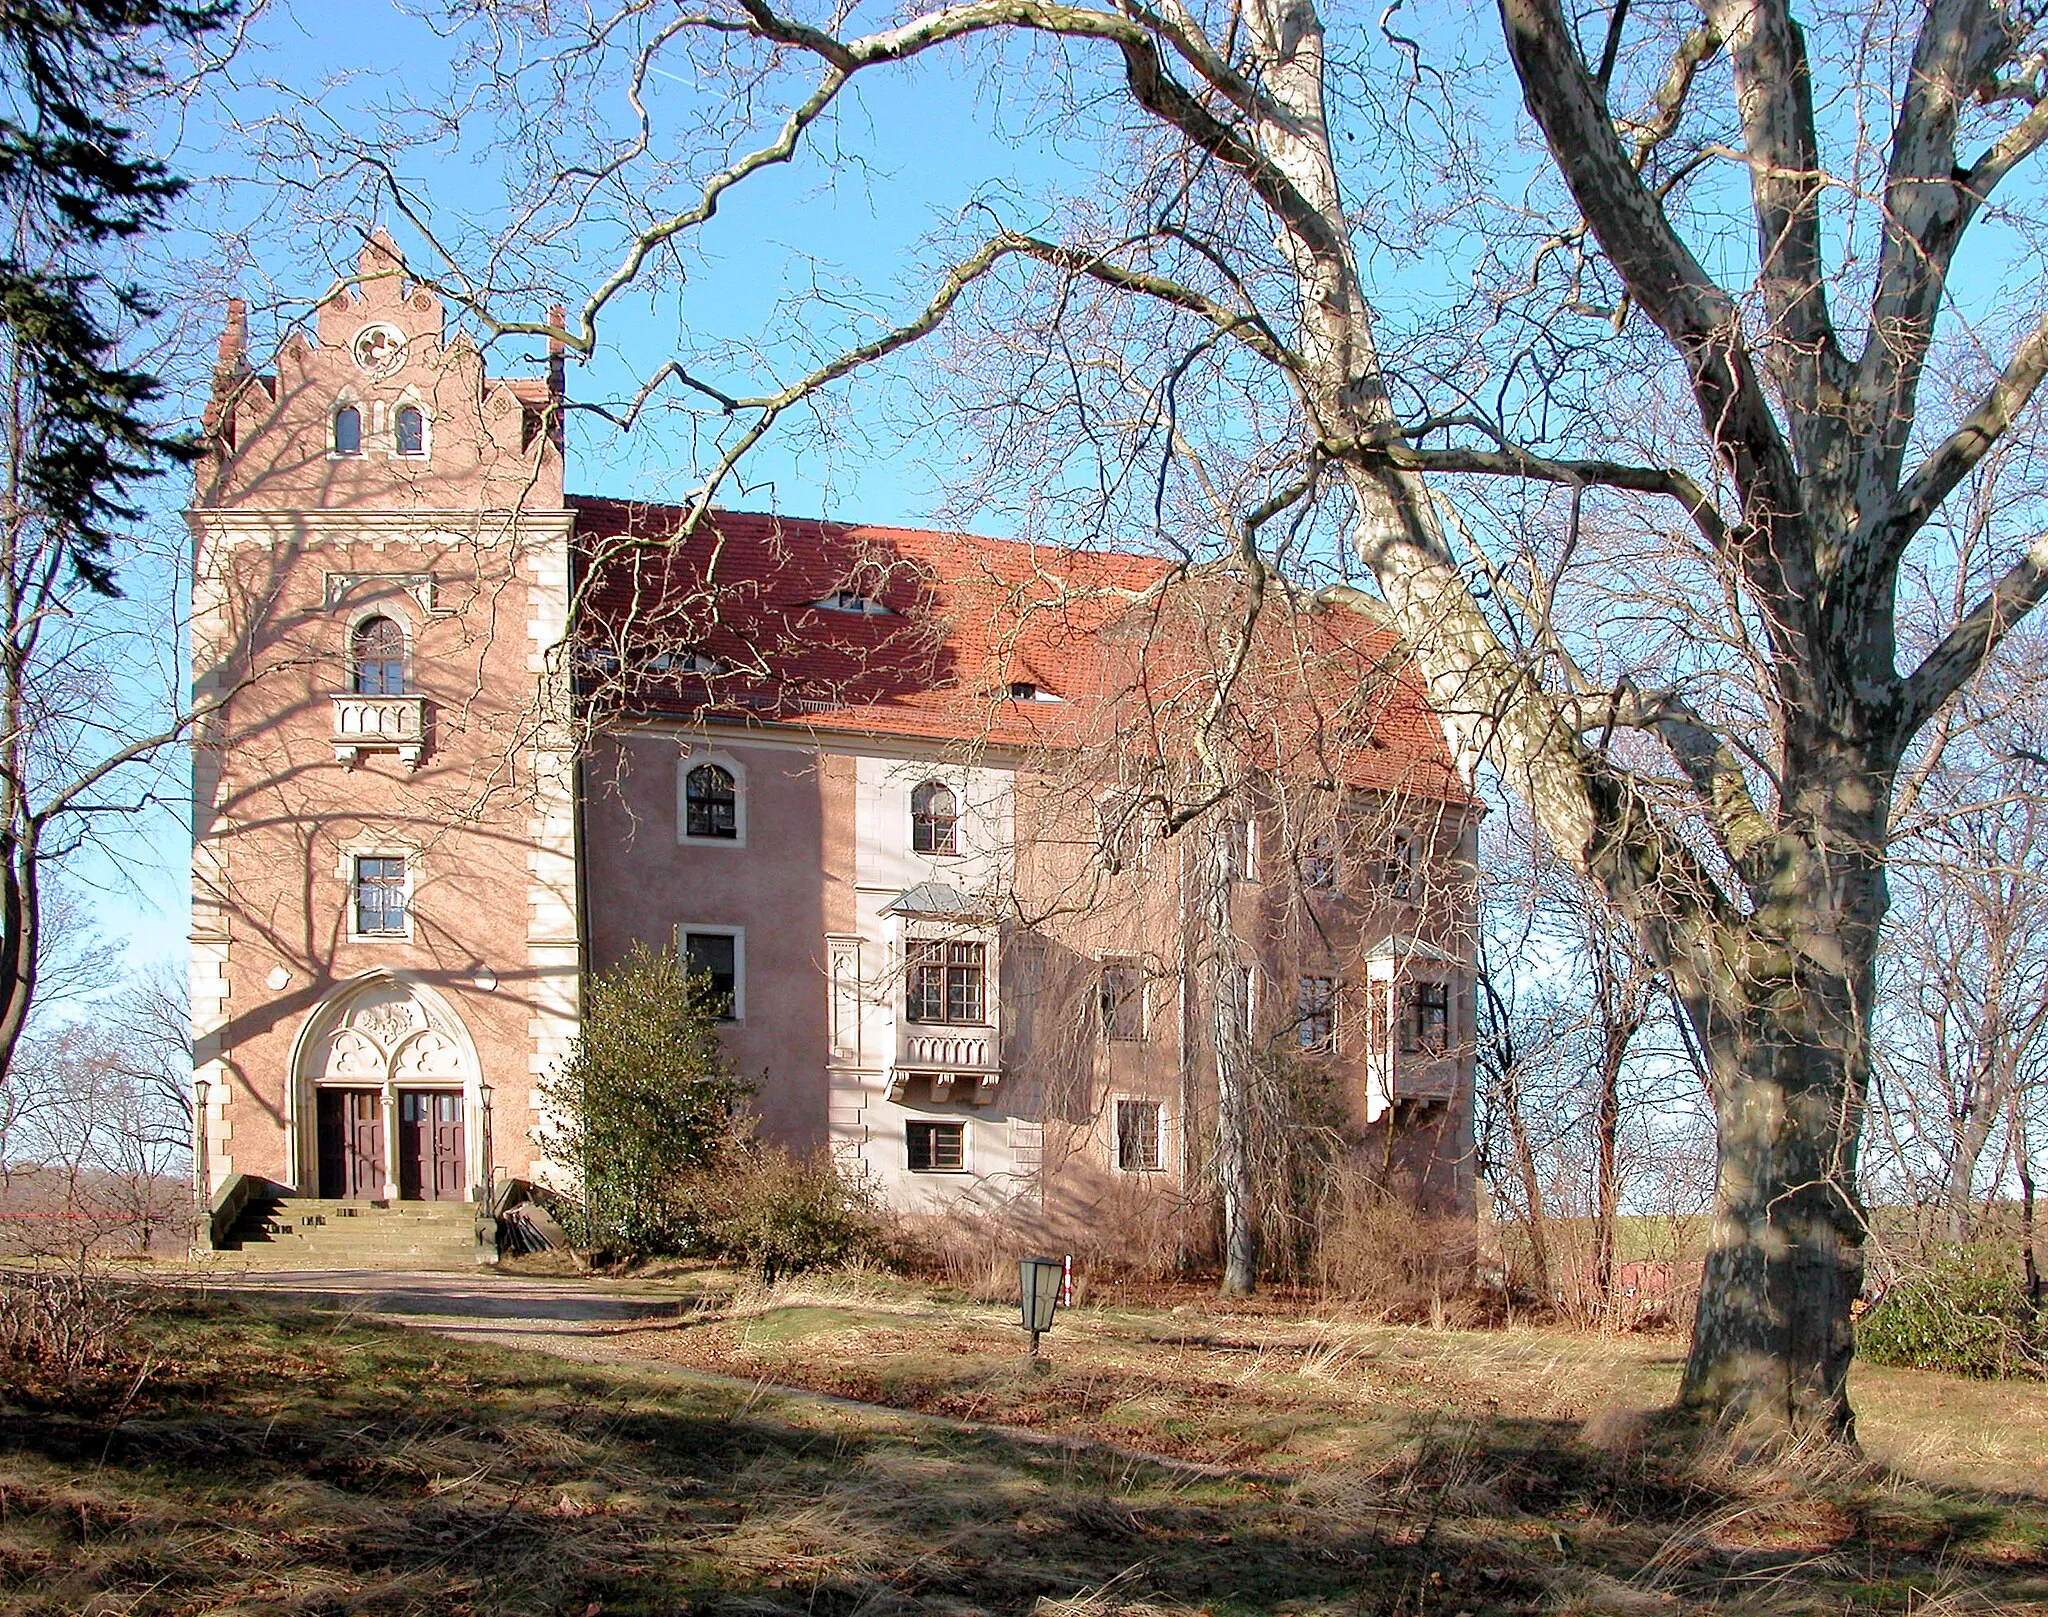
(351, 58)
(931, 139)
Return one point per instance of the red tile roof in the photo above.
(1127, 648)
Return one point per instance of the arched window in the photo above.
(412, 431)
(934, 819)
(711, 803)
(377, 653)
(348, 430)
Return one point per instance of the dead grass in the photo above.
(287, 1463)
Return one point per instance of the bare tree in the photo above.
(1726, 775)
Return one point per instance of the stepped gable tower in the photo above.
(384, 930)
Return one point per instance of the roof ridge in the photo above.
(877, 527)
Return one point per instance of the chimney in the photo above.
(558, 375)
(234, 337)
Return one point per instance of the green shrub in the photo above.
(1967, 1314)
(645, 1100)
(781, 1215)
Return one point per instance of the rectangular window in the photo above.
(1137, 1136)
(1316, 1014)
(1123, 1001)
(1398, 873)
(1430, 1018)
(1319, 861)
(380, 897)
(716, 953)
(946, 981)
(937, 1147)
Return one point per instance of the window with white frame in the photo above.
(711, 800)
(946, 981)
(376, 655)
(380, 896)
(409, 430)
(934, 819)
(719, 953)
(348, 431)
(1139, 1127)
(1427, 1026)
(711, 803)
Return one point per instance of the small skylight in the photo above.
(1024, 690)
(853, 601)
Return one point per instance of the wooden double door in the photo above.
(432, 1154)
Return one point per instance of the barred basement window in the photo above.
(1137, 1136)
(937, 1147)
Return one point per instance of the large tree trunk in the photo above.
(1234, 1172)
(1607, 1175)
(1788, 1041)
(1532, 1184)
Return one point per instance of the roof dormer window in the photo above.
(853, 601)
(1026, 690)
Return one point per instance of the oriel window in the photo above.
(377, 656)
(946, 981)
(1429, 1018)
(934, 819)
(711, 803)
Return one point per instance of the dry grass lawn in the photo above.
(294, 1463)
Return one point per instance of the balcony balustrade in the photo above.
(962, 1062)
(380, 724)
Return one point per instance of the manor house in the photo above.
(981, 867)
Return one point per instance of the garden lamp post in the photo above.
(1038, 1292)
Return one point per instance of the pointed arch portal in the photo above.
(387, 1096)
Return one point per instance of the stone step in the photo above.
(313, 1232)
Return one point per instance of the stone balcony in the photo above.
(962, 1062)
(380, 724)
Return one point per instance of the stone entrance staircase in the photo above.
(307, 1232)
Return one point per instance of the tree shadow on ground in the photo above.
(274, 1464)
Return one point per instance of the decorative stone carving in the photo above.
(386, 1031)
(378, 350)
